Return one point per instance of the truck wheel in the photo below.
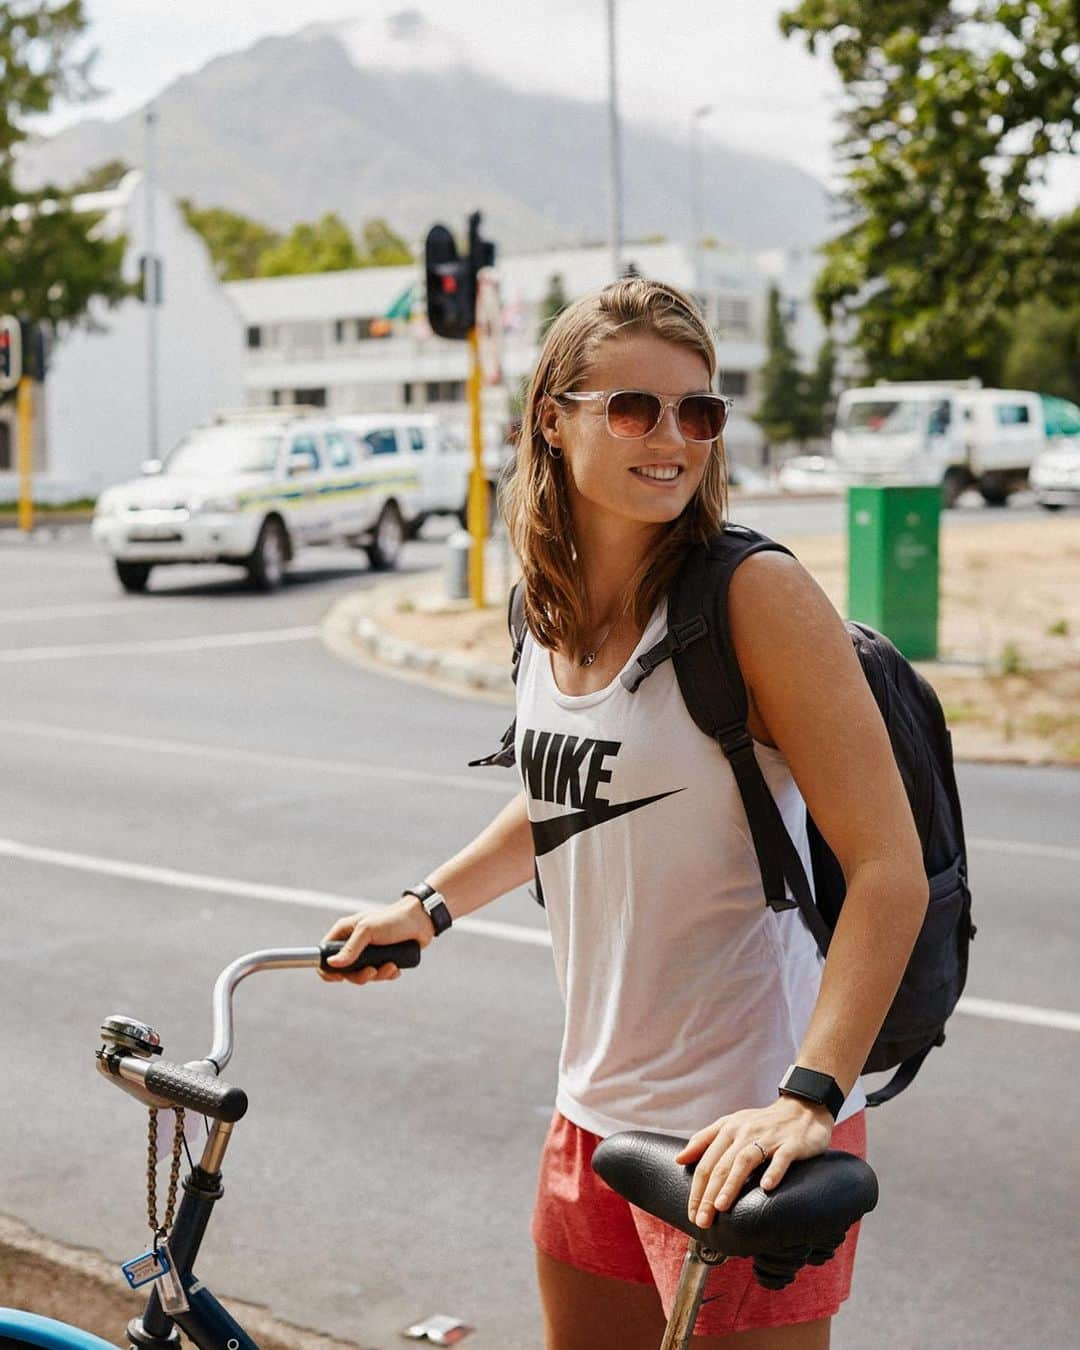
(994, 490)
(133, 576)
(389, 539)
(953, 484)
(266, 565)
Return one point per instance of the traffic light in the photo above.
(451, 279)
(33, 350)
(10, 352)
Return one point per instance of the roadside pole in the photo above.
(24, 417)
(478, 505)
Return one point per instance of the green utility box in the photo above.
(893, 564)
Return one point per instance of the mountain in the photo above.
(322, 120)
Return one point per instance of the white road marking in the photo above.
(499, 784)
(118, 606)
(1020, 1012)
(1027, 850)
(1053, 1018)
(282, 895)
(78, 651)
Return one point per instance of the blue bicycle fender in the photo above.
(30, 1329)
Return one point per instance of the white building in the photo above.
(326, 339)
(92, 415)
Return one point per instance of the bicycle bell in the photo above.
(129, 1035)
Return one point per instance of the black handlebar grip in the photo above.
(405, 955)
(208, 1096)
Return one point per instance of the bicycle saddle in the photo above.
(804, 1220)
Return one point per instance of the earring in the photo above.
(551, 452)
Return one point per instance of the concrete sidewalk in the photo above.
(1009, 667)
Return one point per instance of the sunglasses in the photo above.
(633, 413)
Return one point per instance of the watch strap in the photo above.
(434, 905)
(813, 1086)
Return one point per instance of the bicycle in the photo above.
(804, 1220)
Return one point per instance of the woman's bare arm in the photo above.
(498, 859)
(800, 666)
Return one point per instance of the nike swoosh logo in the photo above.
(549, 834)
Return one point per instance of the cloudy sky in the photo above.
(765, 93)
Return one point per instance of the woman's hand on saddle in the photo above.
(404, 920)
(729, 1149)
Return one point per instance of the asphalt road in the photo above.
(190, 775)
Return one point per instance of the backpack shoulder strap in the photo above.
(515, 621)
(699, 642)
(505, 757)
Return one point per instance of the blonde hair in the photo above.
(534, 498)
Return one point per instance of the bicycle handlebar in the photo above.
(181, 1086)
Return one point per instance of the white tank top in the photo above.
(686, 996)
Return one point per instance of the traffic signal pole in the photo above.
(478, 492)
(25, 423)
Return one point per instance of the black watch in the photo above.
(812, 1086)
(433, 903)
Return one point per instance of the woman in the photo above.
(687, 998)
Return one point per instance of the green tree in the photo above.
(53, 263)
(818, 405)
(324, 247)
(952, 110)
(552, 305)
(236, 243)
(781, 413)
(381, 247)
(1044, 351)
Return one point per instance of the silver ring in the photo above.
(764, 1155)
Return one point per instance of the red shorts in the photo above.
(582, 1222)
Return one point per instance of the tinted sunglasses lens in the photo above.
(631, 413)
(702, 417)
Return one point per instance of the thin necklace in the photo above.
(590, 657)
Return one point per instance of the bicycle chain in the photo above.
(151, 1173)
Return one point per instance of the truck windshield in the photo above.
(884, 417)
(225, 450)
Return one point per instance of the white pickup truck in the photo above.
(252, 489)
(957, 434)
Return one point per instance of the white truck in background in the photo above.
(954, 433)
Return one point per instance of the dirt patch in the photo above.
(1008, 671)
(41, 1276)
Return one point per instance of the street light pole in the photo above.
(695, 195)
(151, 278)
(616, 155)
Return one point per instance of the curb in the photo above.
(351, 633)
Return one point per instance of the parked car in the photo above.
(251, 489)
(811, 473)
(429, 462)
(958, 434)
(1055, 475)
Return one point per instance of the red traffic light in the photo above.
(449, 284)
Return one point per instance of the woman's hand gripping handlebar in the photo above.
(375, 946)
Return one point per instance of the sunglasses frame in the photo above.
(591, 396)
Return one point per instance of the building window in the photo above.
(733, 383)
(732, 314)
(5, 447)
(254, 336)
(339, 330)
(407, 394)
(313, 398)
(445, 391)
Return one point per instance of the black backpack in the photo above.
(698, 643)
